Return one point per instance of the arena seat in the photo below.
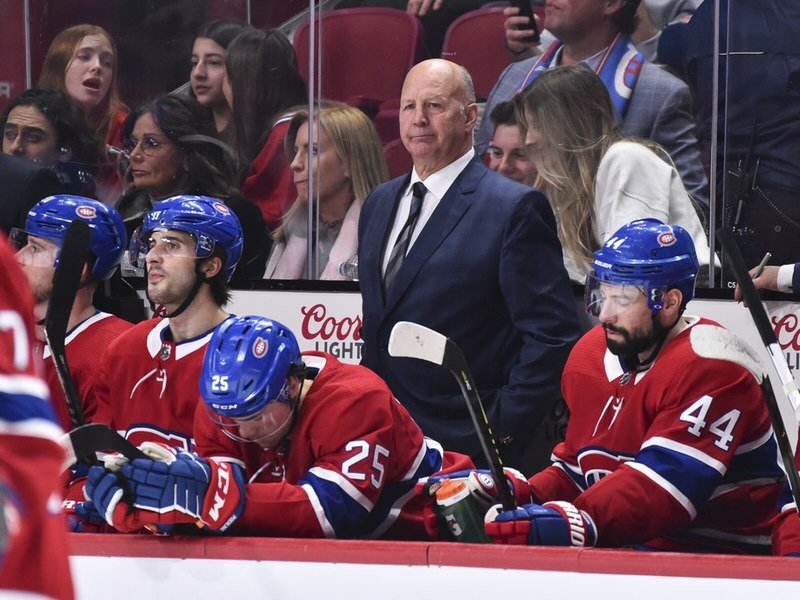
(476, 41)
(366, 53)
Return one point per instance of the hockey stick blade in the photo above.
(412, 340)
(83, 443)
(66, 281)
(768, 338)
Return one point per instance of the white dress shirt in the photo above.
(437, 185)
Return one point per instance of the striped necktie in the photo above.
(404, 239)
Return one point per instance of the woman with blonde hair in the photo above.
(81, 62)
(345, 162)
(595, 179)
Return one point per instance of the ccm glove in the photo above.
(551, 524)
(188, 490)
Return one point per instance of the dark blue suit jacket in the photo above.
(486, 271)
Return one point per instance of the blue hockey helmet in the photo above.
(646, 254)
(208, 220)
(246, 368)
(50, 218)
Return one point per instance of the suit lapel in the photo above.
(452, 207)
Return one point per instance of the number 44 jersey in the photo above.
(348, 469)
(681, 456)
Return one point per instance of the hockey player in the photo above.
(666, 446)
(33, 545)
(90, 331)
(190, 246)
(324, 447)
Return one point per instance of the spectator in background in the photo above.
(649, 102)
(507, 152)
(81, 62)
(473, 255)
(262, 83)
(595, 179)
(42, 126)
(345, 163)
(173, 152)
(759, 118)
(208, 73)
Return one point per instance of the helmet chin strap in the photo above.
(161, 311)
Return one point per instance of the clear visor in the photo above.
(266, 428)
(34, 251)
(164, 243)
(613, 299)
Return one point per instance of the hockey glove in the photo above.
(551, 524)
(188, 490)
(109, 494)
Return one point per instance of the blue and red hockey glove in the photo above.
(188, 489)
(550, 524)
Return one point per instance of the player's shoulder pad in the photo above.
(711, 341)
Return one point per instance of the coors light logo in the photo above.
(787, 330)
(340, 337)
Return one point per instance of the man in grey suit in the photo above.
(660, 108)
(465, 251)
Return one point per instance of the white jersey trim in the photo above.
(686, 450)
(39, 428)
(182, 349)
(327, 529)
(666, 486)
(562, 466)
(392, 515)
(24, 385)
(744, 448)
(95, 318)
(788, 506)
(344, 484)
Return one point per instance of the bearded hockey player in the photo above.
(189, 246)
(33, 544)
(289, 444)
(667, 446)
(89, 331)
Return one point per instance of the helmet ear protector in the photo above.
(644, 255)
(50, 218)
(209, 221)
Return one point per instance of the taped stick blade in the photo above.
(412, 340)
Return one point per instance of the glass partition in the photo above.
(313, 137)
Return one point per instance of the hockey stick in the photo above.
(411, 340)
(83, 443)
(66, 281)
(768, 338)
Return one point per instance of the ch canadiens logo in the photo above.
(86, 212)
(260, 347)
(666, 239)
(222, 208)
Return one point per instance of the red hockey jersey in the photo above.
(349, 469)
(85, 345)
(148, 385)
(34, 555)
(680, 456)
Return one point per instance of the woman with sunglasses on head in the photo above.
(172, 150)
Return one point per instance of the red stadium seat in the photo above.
(475, 41)
(397, 158)
(366, 53)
